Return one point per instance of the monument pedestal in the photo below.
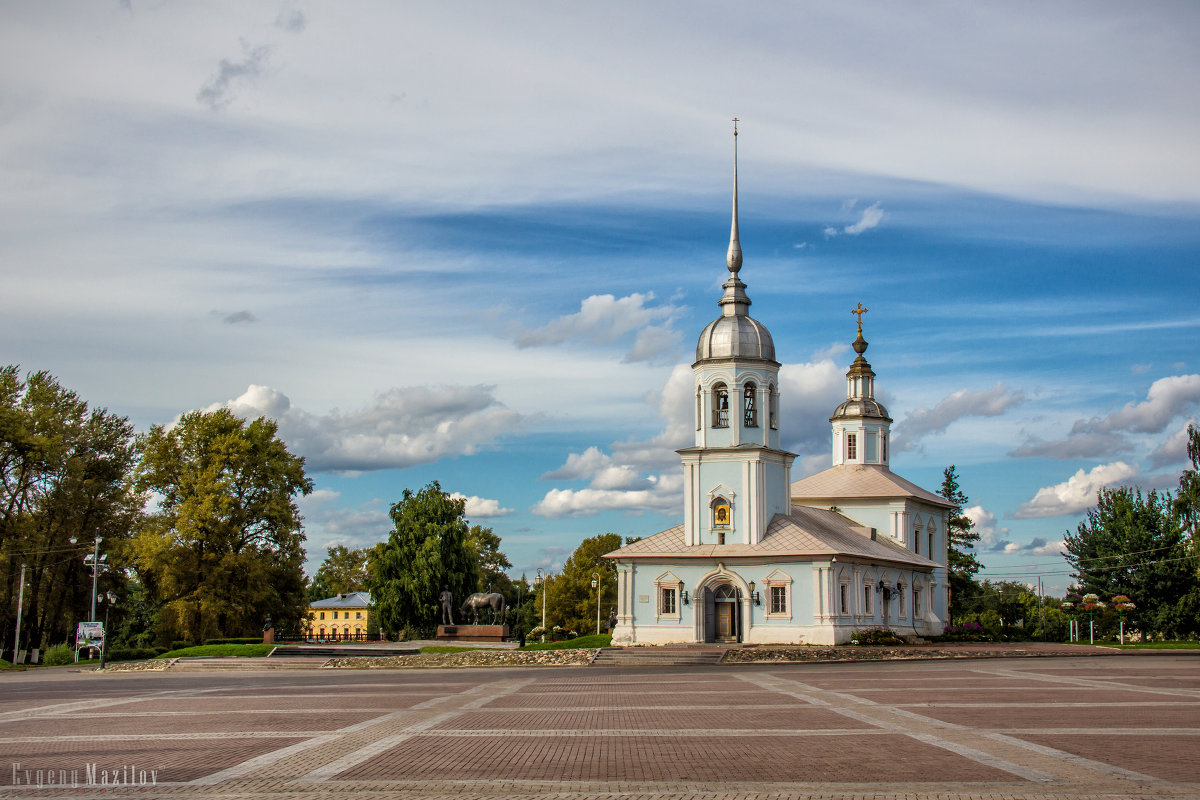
(472, 633)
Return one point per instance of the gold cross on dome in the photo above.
(859, 311)
(735, 122)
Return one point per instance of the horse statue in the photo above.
(480, 600)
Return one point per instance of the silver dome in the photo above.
(735, 336)
(861, 407)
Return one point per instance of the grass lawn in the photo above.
(221, 651)
(603, 640)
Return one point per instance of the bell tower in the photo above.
(861, 425)
(736, 477)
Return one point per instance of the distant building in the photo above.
(344, 616)
(759, 558)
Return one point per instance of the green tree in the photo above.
(427, 549)
(1133, 545)
(491, 563)
(64, 472)
(963, 564)
(224, 549)
(343, 571)
(570, 598)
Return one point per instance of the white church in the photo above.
(762, 559)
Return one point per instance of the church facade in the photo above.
(760, 558)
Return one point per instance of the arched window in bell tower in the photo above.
(720, 396)
(750, 406)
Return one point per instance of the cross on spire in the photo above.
(859, 311)
(735, 122)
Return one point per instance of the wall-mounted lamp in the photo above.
(685, 597)
(754, 595)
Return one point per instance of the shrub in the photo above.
(967, 632)
(874, 637)
(59, 655)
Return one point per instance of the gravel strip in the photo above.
(469, 658)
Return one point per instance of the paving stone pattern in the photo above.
(1126, 726)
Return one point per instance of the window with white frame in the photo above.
(916, 603)
(666, 601)
(779, 605)
(867, 597)
(778, 590)
(851, 446)
(668, 589)
(842, 606)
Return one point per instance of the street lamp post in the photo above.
(95, 561)
(596, 586)
(541, 581)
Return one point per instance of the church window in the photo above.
(699, 407)
(720, 406)
(866, 609)
(749, 406)
(916, 602)
(773, 407)
(779, 600)
(917, 541)
(666, 601)
(842, 599)
(883, 446)
(851, 446)
(931, 545)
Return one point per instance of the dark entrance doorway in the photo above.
(726, 617)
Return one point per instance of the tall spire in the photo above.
(734, 257)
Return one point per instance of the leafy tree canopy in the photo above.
(343, 571)
(570, 598)
(224, 548)
(1134, 545)
(427, 549)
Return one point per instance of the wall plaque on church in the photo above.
(721, 514)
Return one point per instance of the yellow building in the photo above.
(342, 616)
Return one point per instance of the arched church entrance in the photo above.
(726, 601)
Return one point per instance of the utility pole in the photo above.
(95, 564)
(20, 604)
(596, 586)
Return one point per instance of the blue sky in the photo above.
(475, 243)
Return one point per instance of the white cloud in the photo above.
(327, 523)
(401, 428)
(1077, 493)
(481, 507)
(1174, 449)
(605, 318)
(1167, 399)
(992, 538)
(963, 403)
(664, 495)
(871, 217)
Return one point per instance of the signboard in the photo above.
(89, 634)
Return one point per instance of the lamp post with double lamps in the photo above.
(110, 598)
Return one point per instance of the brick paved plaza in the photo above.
(1123, 726)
